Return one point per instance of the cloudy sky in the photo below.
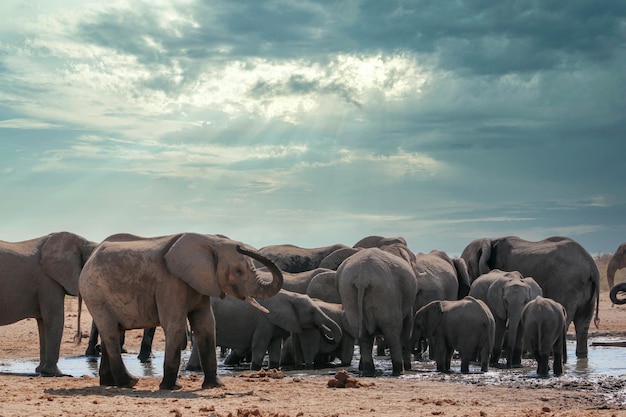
(315, 122)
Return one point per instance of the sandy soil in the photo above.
(257, 395)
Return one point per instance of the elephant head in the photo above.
(618, 261)
(507, 298)
(476, 256)
(427, 319)
(299, 312)
(62, 257)
(617, 293)
(378, 241)
(216, 265)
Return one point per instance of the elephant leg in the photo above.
(92, 346)
(273, 353)
(193, 364)
(484, 357)
(203, 328)
(171, 362)
(581, 326)
(50, 334)
(397, 355)
(557, 364)
(498, 339)
(366, 365)
(145, 352)
(113, 372)
(542, 364)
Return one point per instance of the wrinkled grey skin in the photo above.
(378, 241)
(506, 294)
(299, 281)
(292, 258)
(617, 262)
(617, 293)
(543, 324)
(242, 327)
(35, 276)
(466, 325)
(324, 287)
(438, 278)
(136, 283)
(562, 267)
(309, 349)
(377, 291)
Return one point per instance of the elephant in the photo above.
(299, 281)
(377, 291)
(438, 278)
(617, 262)
(466, 325)
(617, 293)
(324, 287)
(243, 328)
(35, 277)
(334, 259)
(544, 328)
(378, 241)
(310, 349)
(565, 271)
(136, 283)
(506, 294)
(291, 258)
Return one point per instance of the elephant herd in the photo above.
(305, 306)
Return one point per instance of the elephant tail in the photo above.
(78, 336)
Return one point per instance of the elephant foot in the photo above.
(214, 382)
(169, 387)
(49, 371)
(368, 371)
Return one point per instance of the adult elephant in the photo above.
(562, 267)
(377, 290)
(35, 276)
(145, 282)
(506, 294)
(618, 293)
(242, 327)
(292, 258)
(617, 262)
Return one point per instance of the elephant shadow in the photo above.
(135, 393)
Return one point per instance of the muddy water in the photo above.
(602, 361)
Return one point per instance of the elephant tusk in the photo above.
(328, 333)
(256, 304)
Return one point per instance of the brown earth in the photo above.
(257, 395)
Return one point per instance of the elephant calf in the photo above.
(544, 324)
(466, 325)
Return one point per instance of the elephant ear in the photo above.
(192, 259)
(495, 298)
(484, 255)
(62, 260)
(434, 314)
(535, 289)
(284, 314)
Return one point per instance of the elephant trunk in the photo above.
(329, 329)
(514, 349)
(617, 292)
(614, 265)
(265, 289)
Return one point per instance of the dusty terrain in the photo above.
(248, 395)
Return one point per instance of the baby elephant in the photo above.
(544, 326)
(466, 325)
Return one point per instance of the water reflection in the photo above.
(602, 361)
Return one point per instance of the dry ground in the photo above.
(441, 395)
